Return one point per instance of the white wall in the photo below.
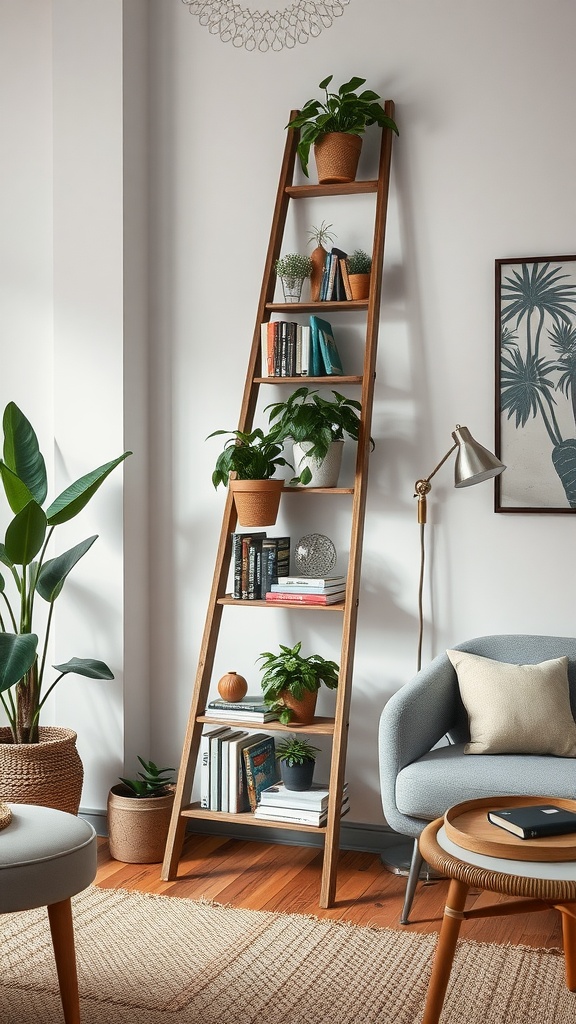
(483, 169)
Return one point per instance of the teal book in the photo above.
(261, 768)
(316, 363)
(328, 350)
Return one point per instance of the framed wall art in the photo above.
(536, 384)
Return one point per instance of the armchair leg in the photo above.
(415, 865)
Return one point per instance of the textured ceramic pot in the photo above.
(325, 473)
(49, 773)
(232, 686)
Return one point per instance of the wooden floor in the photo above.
(260, 876)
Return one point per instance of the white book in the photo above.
(224, 801)
(315, 798)
(264, 348)
(311, 581)
(295, 816)
(301, 588)
(305, 357)
(237, 791)
(215, 767)
(204, 758)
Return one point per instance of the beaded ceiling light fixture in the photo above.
(266, 30)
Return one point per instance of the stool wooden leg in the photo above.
(62, 929)
(569, 937)
(453, 917)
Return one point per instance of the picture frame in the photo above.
(535, 384)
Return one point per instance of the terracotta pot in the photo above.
(257, 501)
(232, 687)
(138, 827)
(49, 773)
(337, 155)
(359, 285)
(302, 710)
(318, 257)
(324, 473)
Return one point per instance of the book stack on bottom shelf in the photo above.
(305, 807)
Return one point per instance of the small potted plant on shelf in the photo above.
(335, 125)
(359, 265)
(293, 269)
(320, 235)
(38, 764)
(138, 813)
(253, 457)
(297, 760)
(290, 682)
(317, 427)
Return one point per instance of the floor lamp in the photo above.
(473, 465)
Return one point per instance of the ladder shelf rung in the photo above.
(319, 727)
(245, 818)
(309, 380)
(228, 599)
(351, 188)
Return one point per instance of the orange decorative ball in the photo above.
(232, 687)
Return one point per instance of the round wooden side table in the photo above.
(466, 848)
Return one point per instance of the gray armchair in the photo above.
(419, 783)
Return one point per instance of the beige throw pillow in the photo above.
(516, 709)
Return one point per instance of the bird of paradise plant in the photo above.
(540, 307)
(23, 690)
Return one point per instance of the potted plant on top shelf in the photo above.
(317, 427)
(253, 457)
(293, 269)
(335, 127)
(359, 265)
(37, 764)
(290, 682)
(138, 814)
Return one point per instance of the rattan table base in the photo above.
(535, 894)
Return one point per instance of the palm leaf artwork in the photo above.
(538, 358)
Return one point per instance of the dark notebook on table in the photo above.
(534, 822)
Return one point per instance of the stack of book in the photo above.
(250, 709)
(257, 562)
(235, 766)
(335, 286)
(294, 350)
(307, 807)
(308, 589)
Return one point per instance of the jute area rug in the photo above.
(163, 960)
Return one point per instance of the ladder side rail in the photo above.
(344, 692)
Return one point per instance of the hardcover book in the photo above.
(328, 350)
(237, 786)
(311, 581)
(295, 588)
(294, 597)
(316, 361)
(261, 768)
(534, 822)
(298, 817)
(205, 763)
(315, 798)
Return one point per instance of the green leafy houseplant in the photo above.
(251, 455)
(289, 672)
(23, 691)
(359, 262)
(295, 751)
(307, 417)
(152, 782)
(293, 265)
(344, 111)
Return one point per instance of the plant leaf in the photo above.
(25, 534)
(22, 454)
(16, 491)
(72, 500)
(53, 573)
(88, 667)
(17, 655)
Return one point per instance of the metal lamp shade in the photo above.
(474, 463)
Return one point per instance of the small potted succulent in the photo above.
(359, 265)
(138, 813)
(253, 457)
(320, 235)
(317, 426)
(335, 125)
(297, 760)
(290, 682)
(293, 269)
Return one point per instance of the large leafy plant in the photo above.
(344, 111)
(252, 455)
(291, 671)
(23, 687)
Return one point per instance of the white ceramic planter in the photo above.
(325, 473)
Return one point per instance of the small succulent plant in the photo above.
(295, 751)
(153, 781)
(359, 262)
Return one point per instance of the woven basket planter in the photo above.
(337, 155)
(138, 827)
(257, 501)
(360, 285)
(49, 773)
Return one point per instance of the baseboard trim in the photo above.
(363, 838)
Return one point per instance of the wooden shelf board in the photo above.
(317, 307)
(245, 818)
(308, 380)
(351, 188)
(319, 727)
(228, 599)
(317, 490)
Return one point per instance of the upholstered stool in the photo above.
(47, 856)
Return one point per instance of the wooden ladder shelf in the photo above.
(337, 727)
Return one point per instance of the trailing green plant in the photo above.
(294, 266)
(153, 781)
(307, 417)
(23, 689)
(252, 455)
(344, 111)
(321, 235)
(295, 751)
(289, 670)
(359, 262)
